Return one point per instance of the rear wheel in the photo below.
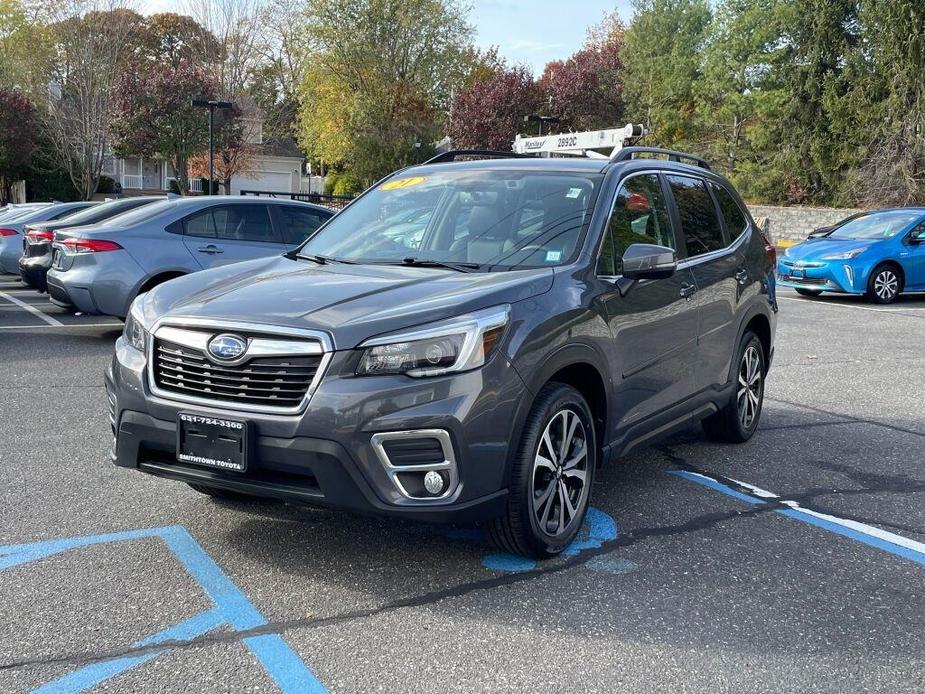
(884, 284)
(809, 292)
(738, 420)
(551, 476)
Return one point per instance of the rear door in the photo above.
(224, 234)
(714, 264)
(653, 323)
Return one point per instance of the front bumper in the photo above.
(326, 456)
(824, 276)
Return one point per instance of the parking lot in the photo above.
(795, 562)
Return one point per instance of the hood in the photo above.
(351, 302)
(816, 248)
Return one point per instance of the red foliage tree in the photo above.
(490, 111)
(17, 128)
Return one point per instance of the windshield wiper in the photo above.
(426, 262)
(325, 259)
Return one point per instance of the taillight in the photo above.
(770, 249)
(8, 232)
(43, 234)
(90, 245)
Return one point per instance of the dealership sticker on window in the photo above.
(573, 193)
(553, 256)
(403, 183)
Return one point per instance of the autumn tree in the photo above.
(490, 112)
(17, 128)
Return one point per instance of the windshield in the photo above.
(140, 214)
(878, 225)
(501, 219)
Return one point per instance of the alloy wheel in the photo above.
(750, 390)
(886, 284)
(560, 473)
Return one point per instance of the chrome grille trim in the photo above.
(185, 373)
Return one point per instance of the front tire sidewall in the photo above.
(872, 284)
(561, 397)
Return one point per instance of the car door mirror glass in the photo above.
(644, 261)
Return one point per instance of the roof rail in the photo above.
(453, 154)
(628, 153)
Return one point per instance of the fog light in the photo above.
(433, 482)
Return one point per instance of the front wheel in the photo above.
(884, 284)
(551, 476)
(738, 420)
(809, 292)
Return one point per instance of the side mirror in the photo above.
(646, 261)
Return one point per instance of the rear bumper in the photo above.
(10, 252)
(34, 271)
(99, 286)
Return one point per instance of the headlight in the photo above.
(458, 344)
(847, 255)
(134, 332)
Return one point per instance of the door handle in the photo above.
(687, 290)
(211, 249)
(742, 276)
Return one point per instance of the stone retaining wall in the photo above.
(794, 223)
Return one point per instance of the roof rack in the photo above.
(454, 154)
(627, 153)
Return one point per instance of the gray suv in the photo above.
(467, 341)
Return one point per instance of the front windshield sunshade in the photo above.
(877, 225)
(486, 218)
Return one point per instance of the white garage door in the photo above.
(276, 182)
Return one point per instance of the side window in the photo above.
(702, 232)
(297, 224)
(244, 223)
(640, 215)
(200, 224)
(735, 220)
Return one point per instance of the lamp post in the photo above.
(211, 104)
(534, 118)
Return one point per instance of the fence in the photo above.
(335, 202)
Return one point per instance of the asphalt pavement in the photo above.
(793, 563)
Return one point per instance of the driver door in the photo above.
(653, 323)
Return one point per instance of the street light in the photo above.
(212, 105)
(534, 118)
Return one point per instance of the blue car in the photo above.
(878, 254)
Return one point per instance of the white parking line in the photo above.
(31, 309)
(60, 326)
(859, 308)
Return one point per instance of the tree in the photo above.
(490, 112)
(89, 43)
(662, 61)
(24, 53)
(154, 116)
(171, 39)
(234, 148)
(585, 90)
(17, 128)
(380, 80)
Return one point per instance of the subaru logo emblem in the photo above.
(227, 347)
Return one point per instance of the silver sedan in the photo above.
(13, 221)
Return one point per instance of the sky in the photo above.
(530, 32)
(534, 32)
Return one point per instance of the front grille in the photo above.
(804, 280)
(266, 381)
(421, 451)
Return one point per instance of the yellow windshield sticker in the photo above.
(404, 183)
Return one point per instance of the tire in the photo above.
(733, 424)
(549, 491)
(223, 494)
(884, 284)
(809, 292)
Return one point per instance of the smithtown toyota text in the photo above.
(467, 341)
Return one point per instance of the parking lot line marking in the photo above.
(60, 325)
(97, 673)
(859, 308)
(860, 532)
(279, 660)
(31, 309)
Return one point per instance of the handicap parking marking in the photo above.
(860, 532)
(232, 608)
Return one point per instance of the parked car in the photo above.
(37, 241)
(879, 254)
(16, 209)
(101, 269)
(826, 230)
(554, 314)
(11, 230)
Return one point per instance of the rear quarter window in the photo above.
(736, 221)
(699, 223)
